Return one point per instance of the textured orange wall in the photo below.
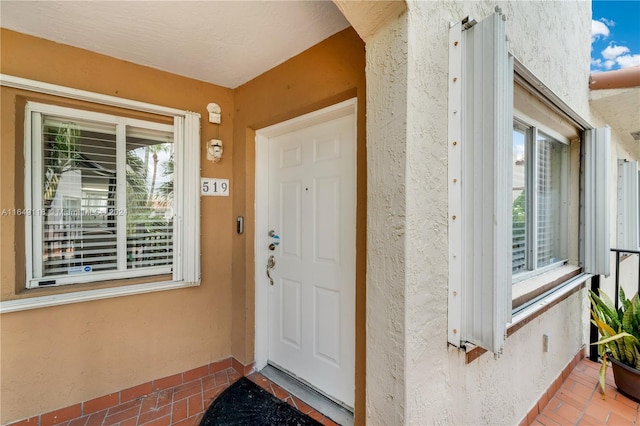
(330, 72)
(94, 348)
(58, 356)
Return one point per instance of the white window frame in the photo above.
(187, 248)
(531, 179)
(33, 203)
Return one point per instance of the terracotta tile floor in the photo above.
(184, 404)
(579, 401)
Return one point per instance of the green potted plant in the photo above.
(620, 340)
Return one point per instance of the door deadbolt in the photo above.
(275, 242)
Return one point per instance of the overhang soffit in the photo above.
(367, 17)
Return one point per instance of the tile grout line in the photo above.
(227, 371)
(171, 409)
(584, 409)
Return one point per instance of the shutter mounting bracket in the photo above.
(468, 22)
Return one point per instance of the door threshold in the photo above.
(336, 412)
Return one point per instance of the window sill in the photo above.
(559, 283)
(529, 289)
(539, 306)
(89, 295)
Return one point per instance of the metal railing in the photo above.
(595, 286)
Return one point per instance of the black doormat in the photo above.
(245, 403)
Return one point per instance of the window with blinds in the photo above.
(551, 156)
(519, 206)
(539, 194)
(102, 197)
(149, 198)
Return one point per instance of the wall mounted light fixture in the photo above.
(214, 113)
(214, 150)
(214, 146)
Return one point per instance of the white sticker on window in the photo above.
(79, 269)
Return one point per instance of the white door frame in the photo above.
(341, 109)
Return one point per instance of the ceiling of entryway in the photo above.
(222, 42)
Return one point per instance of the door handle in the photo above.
(271, 262)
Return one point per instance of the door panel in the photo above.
(327, 220)
(312, 206)
(290, 320)
(327, 313)
(291, 204)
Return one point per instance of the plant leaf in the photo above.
(602, 374)
(628, 354)
(627, 319)
(605, 329)
(630, 343)
(606, 300)
(612, 338)
(619, 329)
(604, 306)
(635, 319)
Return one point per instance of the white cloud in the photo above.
(613, 56)
(627, 61)
(608, 22)
(598, 30)
(613, 51)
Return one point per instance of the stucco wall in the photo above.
(433, 385)
(386, 222)
(487, 391)
(58, 356)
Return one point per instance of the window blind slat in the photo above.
(549, 189)
(75, 153)
(150, 239)
(81, 175)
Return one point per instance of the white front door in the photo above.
(312, 209)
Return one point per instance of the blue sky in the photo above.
(615, 34)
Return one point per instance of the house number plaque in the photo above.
(214, 187)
